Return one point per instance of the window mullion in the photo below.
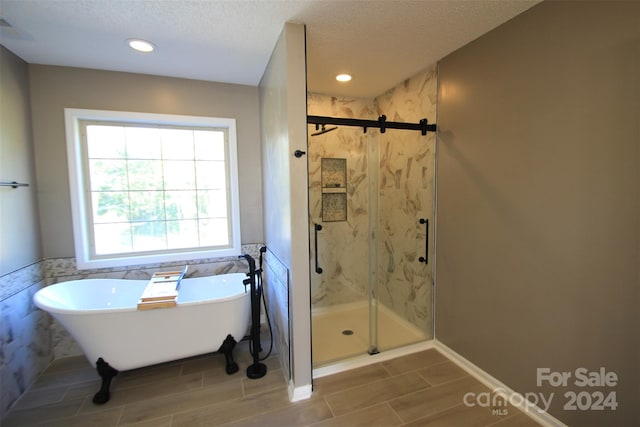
(130, 219)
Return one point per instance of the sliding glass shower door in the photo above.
(369, 290)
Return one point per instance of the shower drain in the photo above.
(347, 332)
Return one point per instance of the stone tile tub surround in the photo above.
(30, 339)
(25, 337)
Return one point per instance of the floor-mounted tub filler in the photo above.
(102, 316)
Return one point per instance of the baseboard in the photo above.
(516, 399)
(299, 393)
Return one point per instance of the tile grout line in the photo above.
(359, 385)
(333, 415)
(421, 390)
(179, 412)
(77, 412)
(385, 368)
(386, 402)
(121, 414)
(425, 379)
(226, 402)
(449, 381)
(391, 376)
(461, 404)
(64, 395)
(435, 413)
(242, 389)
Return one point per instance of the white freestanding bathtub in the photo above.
(102, 316)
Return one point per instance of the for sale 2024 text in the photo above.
(594, 400)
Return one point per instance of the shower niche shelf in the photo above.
(334, 189)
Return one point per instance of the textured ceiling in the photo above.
(380, 42)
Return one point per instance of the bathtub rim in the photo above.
(43, 305)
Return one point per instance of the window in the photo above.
(149, 188)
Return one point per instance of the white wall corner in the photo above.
(297, 394)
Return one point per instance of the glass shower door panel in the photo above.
(405, 196)
(372, 294)
(339, 294)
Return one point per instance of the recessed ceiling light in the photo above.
(141, 45)
(343, 77)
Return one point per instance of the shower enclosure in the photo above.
(371, 278)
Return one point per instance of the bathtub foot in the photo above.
(107, 373)
(226, 348)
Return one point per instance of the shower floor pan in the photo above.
(342, 332)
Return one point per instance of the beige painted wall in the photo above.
(283, 116)
(19, 230)
(538, 212)
(55, 88)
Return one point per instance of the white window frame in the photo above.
(81, 197)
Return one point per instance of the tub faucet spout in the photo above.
(251, 262)
(252, 272)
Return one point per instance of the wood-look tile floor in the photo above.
(421, 389)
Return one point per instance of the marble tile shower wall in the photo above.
(30, 339)
(344, 260)
(406, 193)
(407, 173)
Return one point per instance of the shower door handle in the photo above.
(316, 228)
(425, 258)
